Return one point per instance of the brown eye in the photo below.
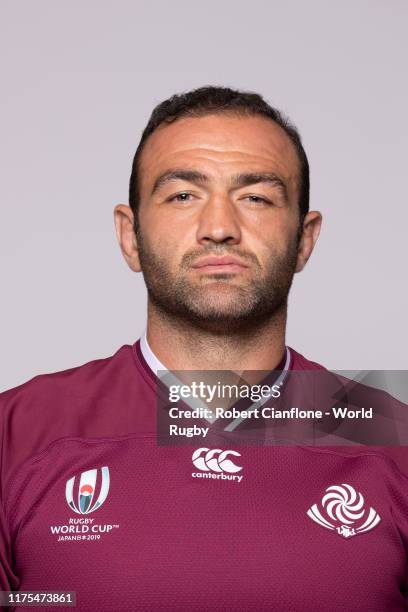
(258, 199)
(180, 197)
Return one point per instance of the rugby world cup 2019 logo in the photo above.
(81, 497)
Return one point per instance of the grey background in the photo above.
(79, 80)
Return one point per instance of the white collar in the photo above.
(152, 361)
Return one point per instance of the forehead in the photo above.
(220, 144)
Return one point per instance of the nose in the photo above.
(218, 222)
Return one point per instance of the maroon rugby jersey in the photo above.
(91, 503)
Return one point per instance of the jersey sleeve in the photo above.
(398, 494)
(8, 579)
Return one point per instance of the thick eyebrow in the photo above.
(238, 180)
(192, 176)
(252, 178)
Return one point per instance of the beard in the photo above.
(220, 303)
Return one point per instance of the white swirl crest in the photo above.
(343, 503)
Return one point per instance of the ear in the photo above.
(310, 233)
(124, 225)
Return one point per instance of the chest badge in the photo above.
(84, 496)
(342, 509)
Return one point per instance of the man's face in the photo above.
(219, 219)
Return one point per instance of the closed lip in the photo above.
(219, 261)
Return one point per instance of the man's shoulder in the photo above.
(85, 401)
(73, 380)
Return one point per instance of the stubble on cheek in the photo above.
(214, 300)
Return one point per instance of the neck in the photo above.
(183, 346)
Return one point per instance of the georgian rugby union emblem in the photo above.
(342, 509)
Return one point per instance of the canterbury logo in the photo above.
(343, 505)
(216, 463)
(215, 460)
(84, 494)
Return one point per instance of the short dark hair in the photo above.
(210, 100)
